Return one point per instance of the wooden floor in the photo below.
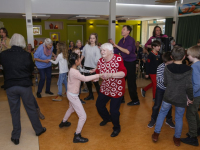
(134, 135)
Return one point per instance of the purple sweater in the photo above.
(129, 44)
(150, 39)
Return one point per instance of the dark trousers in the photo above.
(14, 93)
(193, 117)
(35, 103)
(89, 84)
(157, 104)
(44, 72)
(114, 109)
(131, 80)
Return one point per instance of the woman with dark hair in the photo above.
(157, 32)
(71, 46)
(5, 41)
(92, 54)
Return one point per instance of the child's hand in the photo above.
(189, 101)
(146, 76)
(92, 70)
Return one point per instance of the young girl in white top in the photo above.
(63, 69)
(74, 81)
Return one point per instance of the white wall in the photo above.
(12, 6)
(142, 10)
(70, 7)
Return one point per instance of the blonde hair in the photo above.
(62, 48)
(17, 40)
(194, 51)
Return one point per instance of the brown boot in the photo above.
(41, 116)
(155, 136)
(177, 141)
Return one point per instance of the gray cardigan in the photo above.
(179, 86)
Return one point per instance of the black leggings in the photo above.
(89, 84)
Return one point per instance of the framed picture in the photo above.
(55, 36)
(37, 30)
(189, 9)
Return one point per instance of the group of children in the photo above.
(175, 84)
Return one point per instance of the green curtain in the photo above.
(168, 26)
(188, 31)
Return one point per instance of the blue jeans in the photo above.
(179, 112)
(62, 79)
(44, 72)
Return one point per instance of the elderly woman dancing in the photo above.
(18, 67)
(113, 72)
(42, 56)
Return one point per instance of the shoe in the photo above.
(104, 122)
(82, 101)
(151, 123)
(44, 130)
(90, 97)
(190, 140)
(115, 133)
(133, 103)
(79, 139)
(170, 123)
(64, 124)
(41, 116)
(143, 92)
(39, 95)
(177, 141)
(122, 101)
(198, 132)
(50, 93)
(84, 90)
(15, 141)
(57, 98)
(155, 136)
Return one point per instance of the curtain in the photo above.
(168, 26)
(188, 31)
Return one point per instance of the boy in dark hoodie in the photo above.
(179, 92)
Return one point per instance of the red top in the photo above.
(112, 87)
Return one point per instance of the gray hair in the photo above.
(17, 40)
(107, 46)
(47, 41)
(78, 41)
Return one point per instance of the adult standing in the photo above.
(5, 41)
(92, 54)
(71, 46)
(4, 44)
(18, 67)
(126, 47)
(42, 56)
(79, 46)
(112, 68)
(157, 33)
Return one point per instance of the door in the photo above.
(74, 33)
(102, 31)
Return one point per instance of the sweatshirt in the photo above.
(178, 82)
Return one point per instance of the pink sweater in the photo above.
(75, 78)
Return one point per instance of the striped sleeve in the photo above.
(160, 76)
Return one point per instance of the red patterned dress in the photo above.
(112, 87)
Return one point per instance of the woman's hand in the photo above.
(92, 71)
(46, 61)
(146, 76)
(106, 76)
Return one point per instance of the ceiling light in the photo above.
(145, 5)
(87, 16)
(38, 15)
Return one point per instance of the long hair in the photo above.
(154, 31)
(96, 36)
(62, 49)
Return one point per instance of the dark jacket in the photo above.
(178, 80)
(18, 67)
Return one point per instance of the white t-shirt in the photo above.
(92, 55)
(63, 65)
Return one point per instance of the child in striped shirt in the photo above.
(160, 90)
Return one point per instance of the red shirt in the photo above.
(112, 87)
